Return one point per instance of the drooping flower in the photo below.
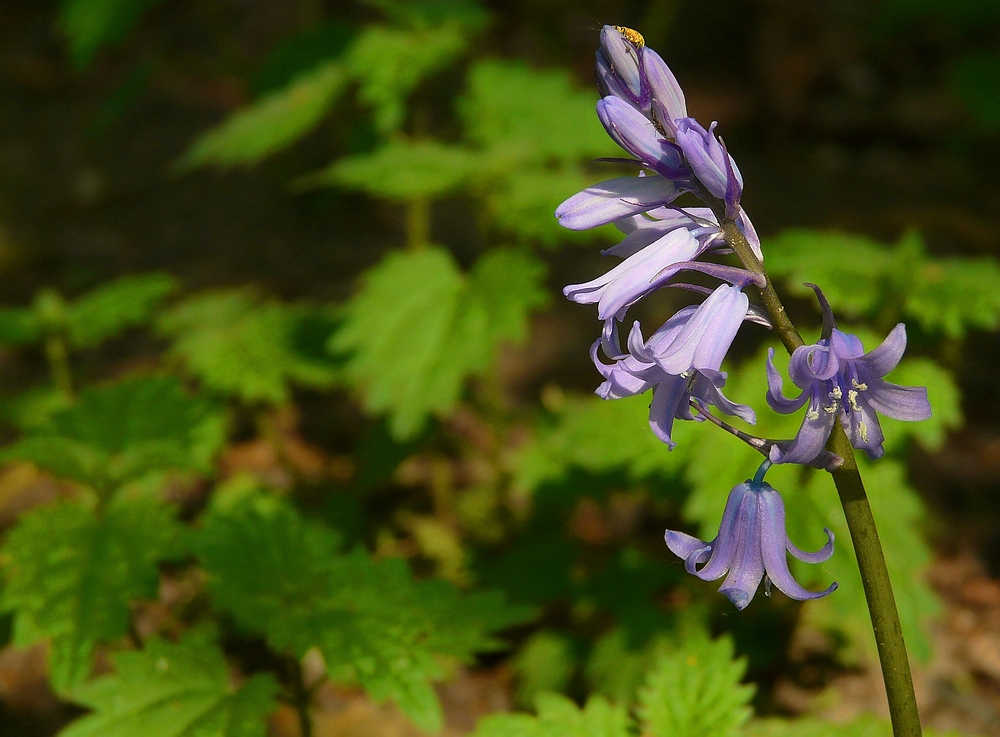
(750, 547)
(679, 362)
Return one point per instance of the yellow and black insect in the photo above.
(633, 37)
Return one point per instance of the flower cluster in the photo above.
(644, 111)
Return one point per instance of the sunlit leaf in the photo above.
(419, 327)
(118, 432)
(174, 690)
(370, 619)
(400, 170)
(695, 691)
(71, 576)
(107, 310)
(239, 344)
(531, 115)
(390, 62)
(271, 124)
(559, 717)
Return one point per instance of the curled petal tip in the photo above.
(739, 597)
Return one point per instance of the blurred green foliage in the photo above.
(446, 516)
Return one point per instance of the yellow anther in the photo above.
(858, 385)
(632, 36)
(863, 430)
(831, 409)
(812, 415)
(836, 393)
(852, 398)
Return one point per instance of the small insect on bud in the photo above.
(634, 37)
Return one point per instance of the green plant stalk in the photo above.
(58, 359)
(864, 534)
(418, 223)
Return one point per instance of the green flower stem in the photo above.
(418, 223)
(871, 560)
(58, 359)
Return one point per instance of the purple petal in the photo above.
(666, 334)
(811, 437)
(820, 556)
(623, 61)
(668, 395)
(847, 346)
(773, 542)
(747, 564)
(708, 334)
(908, 403)
(862, 426)
(812, 363)
(776, 398)
(725, 543)
(632, 130)
(614, 199)
(634, 277)
(665, 89)
(736, 276)
(682, 545)
(708, 387)
(884, 359)
(746, 227)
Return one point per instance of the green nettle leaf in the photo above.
(559, 717)
(527, 115)
(106, 311)
(370, 619)
(174, 690)
(695, 691)
(239, 344)
(401, 170)
(900, 282)
(389, 63)
(122, 431)
(533, 129)
(854, 281)
(419, 327)
(598, 436)
(71, 575)
(92, 24)
(270, 124)
(510, 284)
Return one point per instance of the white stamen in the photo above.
(836, 393)
(863, 430)
(858, 385)
(831, 409)
(812, 415)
